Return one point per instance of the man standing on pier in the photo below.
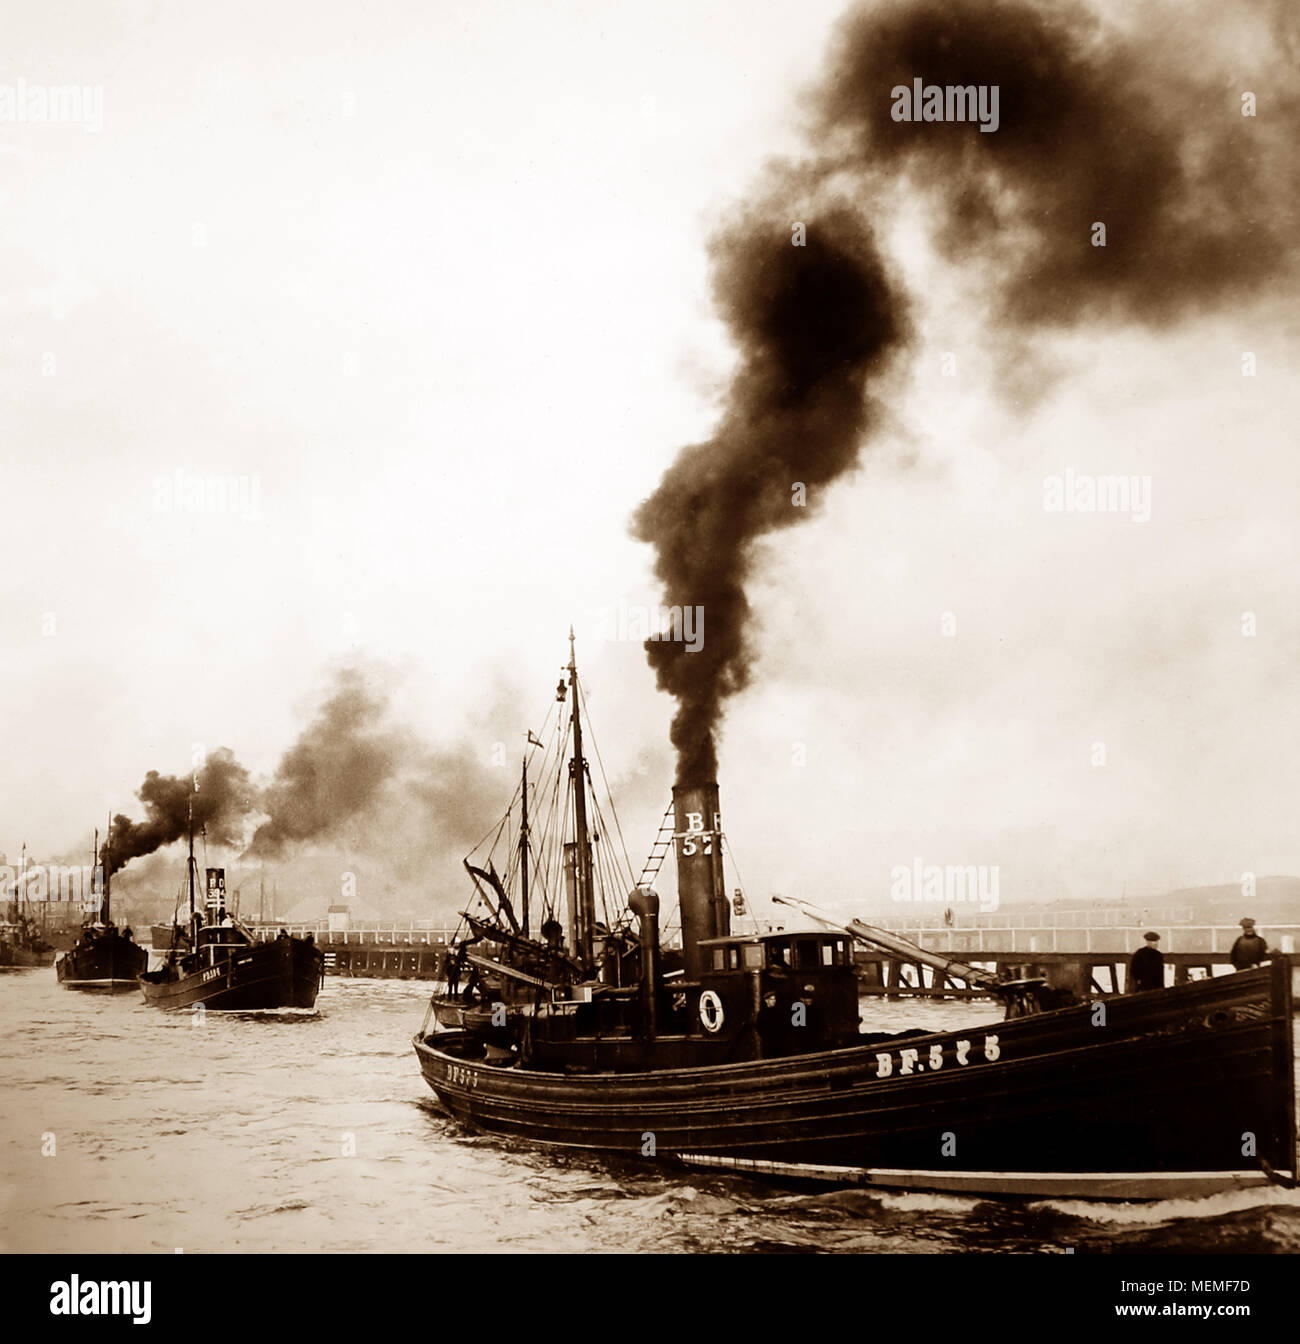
(1250, 949)
(1146, 970)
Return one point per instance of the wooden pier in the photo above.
(382, 952)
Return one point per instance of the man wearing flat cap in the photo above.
(1146, 970)
(1250, 949)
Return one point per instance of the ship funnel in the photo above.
(215, 907)
(701, 895)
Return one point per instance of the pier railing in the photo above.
(1029, 939)
(374, 935)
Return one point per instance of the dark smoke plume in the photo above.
(812, 323)
(335, 771)
(398, 810)
(221, 804)
(1093, 129)
(356, 790)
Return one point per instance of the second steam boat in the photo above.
(215, 960)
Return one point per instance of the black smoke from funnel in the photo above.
(333, 773)
(354, 781)
(360, 783)
(220, 806)
(1095, 128)
(1092, 130)
(812, 323)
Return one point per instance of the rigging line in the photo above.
(616, 910)
(539, 745)
(744, 890)
(495, 829)
(595, 746)
(600, 879)
(551, 849)
(541, 829)
(610, 876)
(534, 744)
(558, 788)
(599, 812)
(545, 840)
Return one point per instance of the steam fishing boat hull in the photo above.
(22, 946)
(109, 964)
(23, 958)
(284, 973)
(17, 953)
(1183, 1090)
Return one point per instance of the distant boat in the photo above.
(104, 957)
(753, 1059)
(21, 944)
(216, 961)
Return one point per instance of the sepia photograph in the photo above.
(649, 629)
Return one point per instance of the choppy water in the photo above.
(316, 1132)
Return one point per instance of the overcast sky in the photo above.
(433, 278)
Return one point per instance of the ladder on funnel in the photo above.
(659, 851)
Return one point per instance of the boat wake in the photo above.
(1166, 1210)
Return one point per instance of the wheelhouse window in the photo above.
(778, 955)
(806, 952)
(753, 956)
(728, 958)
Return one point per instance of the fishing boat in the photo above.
(22, 944)
(214, 960)
(752, 1058)
(105, 957)
(514, 946)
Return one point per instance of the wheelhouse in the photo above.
(796, 991)
(779, 952)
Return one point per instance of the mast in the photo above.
(22, 885)
(189, 868)
(94, 864)
(523, 849)
(586, 897)
(104, 904)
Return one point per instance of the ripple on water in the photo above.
(229, 1134)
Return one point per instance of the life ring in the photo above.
(711, 1014)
